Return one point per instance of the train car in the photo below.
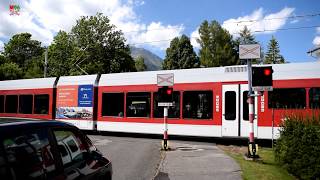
(208, 102)
(28, 98)
(75, 101)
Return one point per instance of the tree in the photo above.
(180, 54)
(2, 59)
(139, 63)
(10, 71)
(99, 47)
(60, 55)
(34, 68)
(217, 46)
(23, 51)
(246, 38)
(273, 55)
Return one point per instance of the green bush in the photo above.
(298, 148)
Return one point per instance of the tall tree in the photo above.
(26, 53)
(139, 63)
(273, 55)
(246, 38)
(2, 59)
(99, 47)
(180, 54)
(60, 55)
(217, 46)
(10, 71)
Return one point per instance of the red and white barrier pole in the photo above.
(251, 146)
(251, 118)
(165, 145)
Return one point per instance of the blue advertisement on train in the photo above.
(85, 95)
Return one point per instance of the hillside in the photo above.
(152, 61)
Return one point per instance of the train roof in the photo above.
(38, 83)
(216, 74)
(307, 70)
(77, 80)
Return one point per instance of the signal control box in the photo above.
(262, 78)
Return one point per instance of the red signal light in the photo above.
(169, 91)
(267, 72)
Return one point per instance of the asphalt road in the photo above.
(140, 158)
(132, 158)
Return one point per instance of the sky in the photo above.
(152, 24)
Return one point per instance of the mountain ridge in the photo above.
(151, 60)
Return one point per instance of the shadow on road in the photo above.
(162, 176)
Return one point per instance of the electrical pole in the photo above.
(45, 63)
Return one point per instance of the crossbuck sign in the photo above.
(165, 79)
(249, 51)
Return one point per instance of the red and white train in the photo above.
(209, 102)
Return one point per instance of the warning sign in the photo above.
(249, 51)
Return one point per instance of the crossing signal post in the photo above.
(249, 52)
(165, 94)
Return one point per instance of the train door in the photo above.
(230, 110)
(244, 112)
(235, 117)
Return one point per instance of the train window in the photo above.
(287, 98)
(25, 104)
(173, 112)
(197, 104)
(230, 105)
(138, 104)
(1, 104)
(113, 104)
(11, 105)
(314, 97)
(245, 106)
(41, 104)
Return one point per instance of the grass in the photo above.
(262, 170)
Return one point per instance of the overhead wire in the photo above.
(231, 22)
(257, 31)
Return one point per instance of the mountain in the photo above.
(152, 61)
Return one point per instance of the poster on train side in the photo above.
(74, 102)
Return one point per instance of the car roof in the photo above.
(9, 124)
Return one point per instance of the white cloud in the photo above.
(256, 21)
(154, 35)
(316, 40)
(44, 18)
(1, 46)
(259, 21)
(25, 22)
(194, 36)
(294, 21)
